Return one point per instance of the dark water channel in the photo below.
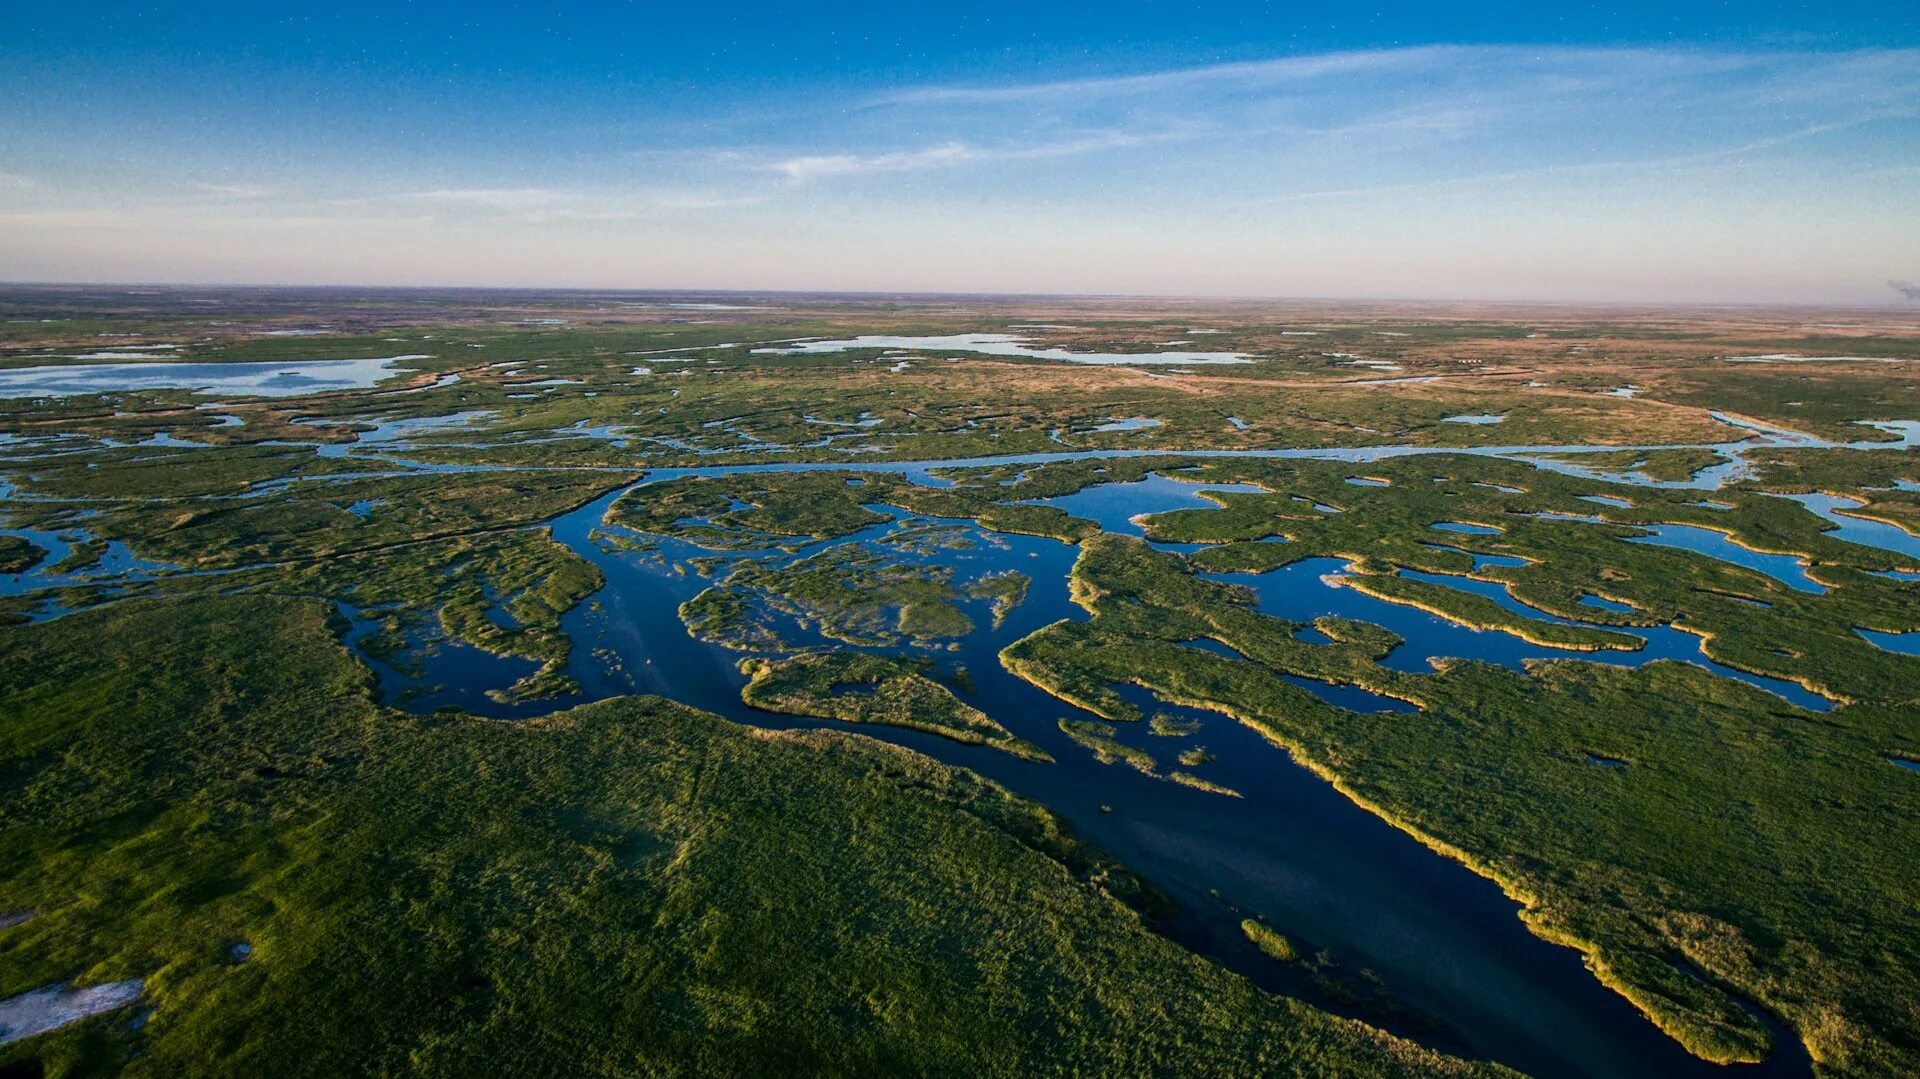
(1443, 942)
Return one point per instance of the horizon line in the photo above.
(1888, 306)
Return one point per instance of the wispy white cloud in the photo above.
(1727, 156)
(233, 191)
(947, 154)
(1376, 115)
(14, 181)
(491, 198)
(814, 166)
(541, 205)
(1258, 72)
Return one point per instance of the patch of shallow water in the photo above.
(1480, 561)
(278, 379)
(1001, 344)
(1131, 423)
(1907, 644)
(55, 1006)
(1116, 507)
(1789, 357)
(117, 564)
(1860, 530)
(1588, 599)
(1785, 568)
(1352, 698)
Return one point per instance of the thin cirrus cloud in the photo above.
(1268, 73)
(816, 166)
(233, 191)
(540, 205)
(1514, 102)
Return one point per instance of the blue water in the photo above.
(1785, 568)
(1602, 603)
(1907, 644)
(1352, 698)
(1114, 505)
(117, 565)
(1859, 530)
(277, 379)
(1131, 423)
(1297, 593)
(1480, 561)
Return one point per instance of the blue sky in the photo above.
(1720, 152)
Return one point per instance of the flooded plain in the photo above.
(1443, 942)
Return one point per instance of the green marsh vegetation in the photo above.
(18, 555)
(1269, 940)
(629, 885)
(1748, 841)
(858, 687)
(846, 593)
(1099, 739)
(1006, 590)
(644, 882)
(1748, 619)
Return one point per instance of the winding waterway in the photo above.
(1442, 940)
